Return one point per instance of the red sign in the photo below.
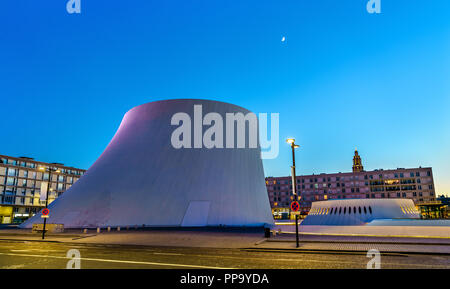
(45, 212)
(295, 206)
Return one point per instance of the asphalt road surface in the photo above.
(51, 255)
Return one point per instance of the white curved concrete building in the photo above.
(142, 179)
(359, 211)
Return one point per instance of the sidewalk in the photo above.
(341, 247)
(254, 241)
(171, 238)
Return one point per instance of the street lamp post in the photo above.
(46, 197)
(291, 141)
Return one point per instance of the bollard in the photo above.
(98, 229)
(118, 229)
(85, 231)
(266, 232)
(109, 229)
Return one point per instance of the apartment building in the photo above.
(21, 182)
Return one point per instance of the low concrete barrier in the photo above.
(49, 228)
(385, 231)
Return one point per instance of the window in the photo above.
(370, 209)
(340, 210)
(359, 210)
(354, 210)
(12, 172)
(365, 210)
(345, 210)
(10, 181)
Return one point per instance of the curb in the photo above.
(362, 242)
(343, 252)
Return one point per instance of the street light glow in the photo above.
(290, 140)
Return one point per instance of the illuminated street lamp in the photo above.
(43, 169)
(291, 141)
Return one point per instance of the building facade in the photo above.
(413, 183)
(21, 180)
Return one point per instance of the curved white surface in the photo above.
(140, 179)
(359, 211)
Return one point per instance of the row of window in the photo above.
(32, 165)
(340, 210)
(12, 200)
(13, 182)
(44, 176)
(337, 179)
(374, 186)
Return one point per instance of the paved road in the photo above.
(23, 254)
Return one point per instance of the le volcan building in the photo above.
(413, 183)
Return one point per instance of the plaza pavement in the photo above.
(242, 239)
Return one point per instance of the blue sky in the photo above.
(343, 77)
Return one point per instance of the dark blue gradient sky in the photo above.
(343, 77)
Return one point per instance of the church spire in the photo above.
(357, 164)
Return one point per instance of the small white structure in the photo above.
(141, 179)
(352, 212)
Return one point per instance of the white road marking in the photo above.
(118, 261)
(171, 254)
(13, 266)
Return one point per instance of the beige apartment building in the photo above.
(413, 183)
(21, 181)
